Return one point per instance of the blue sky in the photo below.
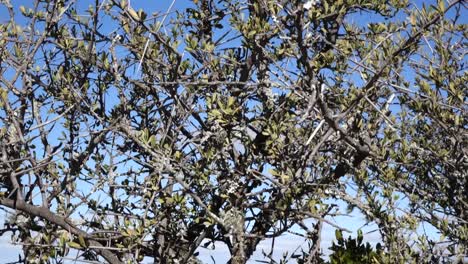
(286, 242)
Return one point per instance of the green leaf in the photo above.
(123, 4)
(133, 14)
(23, 10)
(441, 5)
(82, 241)
(338, 235)
(74, 245)
(359, 236)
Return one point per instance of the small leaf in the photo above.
(359, 236)
(413, 20)
(82, 241)
(74, 245)
(23, 10)
(123, 4)
(442, 5)
(133, 14)
(338, 235)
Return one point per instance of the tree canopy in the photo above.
(130, 133)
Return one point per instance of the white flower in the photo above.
(275, 20)
(311, 3)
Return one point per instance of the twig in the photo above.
(315, 132)
(157, 30)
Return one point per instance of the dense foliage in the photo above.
(131, 133)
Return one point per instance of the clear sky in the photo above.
(288, 242)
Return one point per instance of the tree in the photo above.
(128, 134)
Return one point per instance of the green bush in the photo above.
(353, 250)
